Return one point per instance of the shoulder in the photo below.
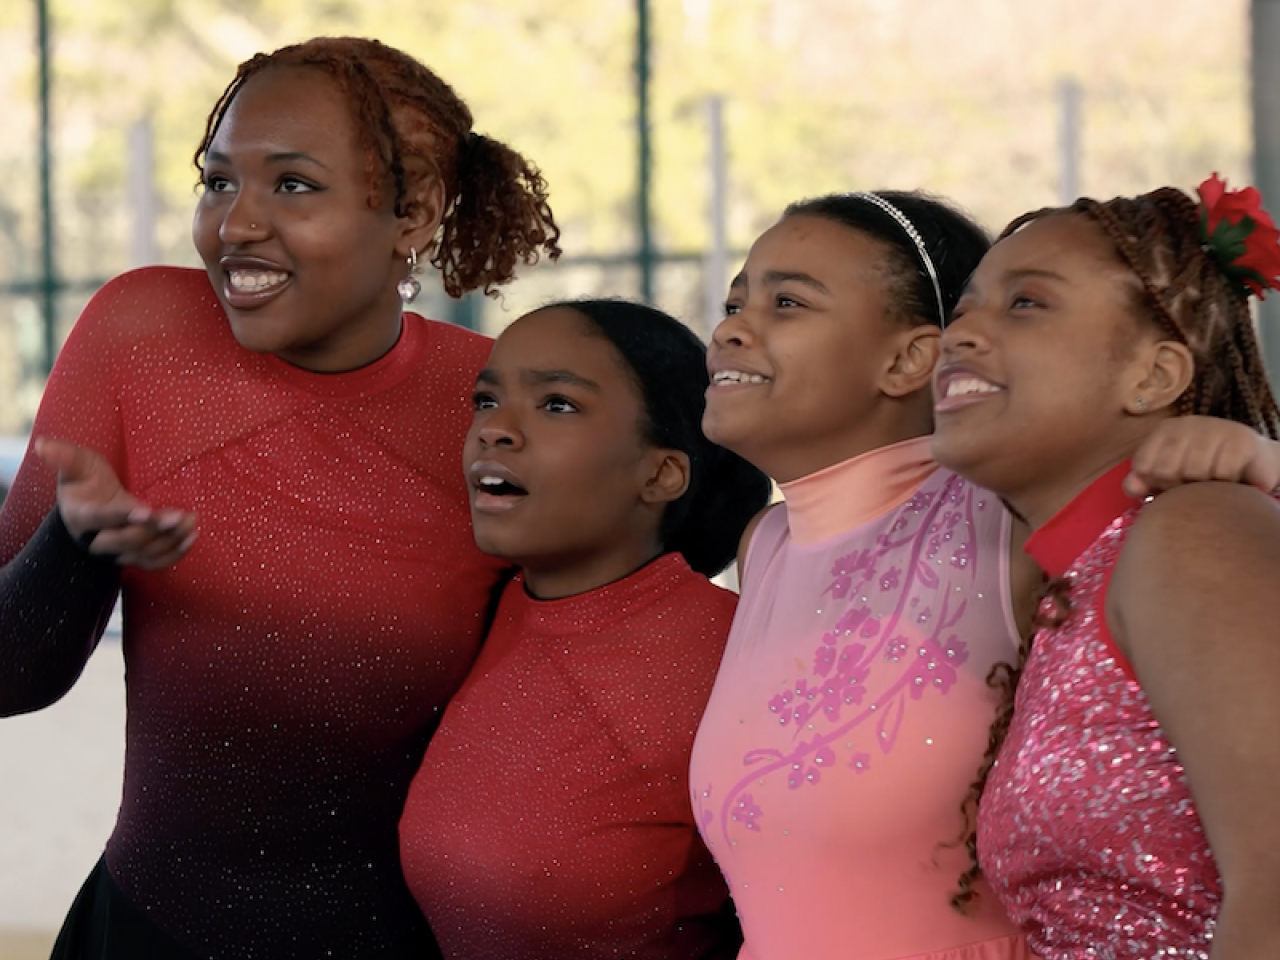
(149, 299)
(701, 603)
(1207, 531)
(448, 338)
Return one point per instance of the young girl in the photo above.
(551, 819)
(852, 710)
(284, 677)
(1132, 811)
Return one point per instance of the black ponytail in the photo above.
(669, 365)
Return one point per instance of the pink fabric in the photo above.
(1088, 829)
(851, 713)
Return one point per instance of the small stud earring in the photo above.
(409, 287)
(1140, 404)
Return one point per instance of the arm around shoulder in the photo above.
(1194, 605)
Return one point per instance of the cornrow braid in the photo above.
(1187, 295)
(412, 126)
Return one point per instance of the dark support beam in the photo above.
(644, 165)
(1265, 84)
(48, 273)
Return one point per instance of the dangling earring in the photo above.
(409, 287)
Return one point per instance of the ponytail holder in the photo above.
(1240, 236)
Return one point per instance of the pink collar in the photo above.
(842, 497)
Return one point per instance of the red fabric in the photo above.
(551, 818)
(284, 677)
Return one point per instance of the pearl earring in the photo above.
(409, 287)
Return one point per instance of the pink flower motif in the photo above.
(935, 666)
(891, 579)
(824, 658)
(800, 775)
(779, 705)
(860, 762)
(746, 812)
(850, 658)
(844, 569)
(896, 648)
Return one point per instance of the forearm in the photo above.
(55, 599)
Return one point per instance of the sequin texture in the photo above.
(1087, 830)
(284, 677)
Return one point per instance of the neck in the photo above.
(560, 577)
(892, 423)
(1039, 501)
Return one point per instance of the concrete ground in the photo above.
(60, 776)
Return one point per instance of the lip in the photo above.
(946, 374)
(251, 299)
(484, 502)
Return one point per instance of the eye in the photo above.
(483, 401)
(295, 185)
(1020, 301)
(731, 308)
(558, 404)
(214, 183)
(784, 302)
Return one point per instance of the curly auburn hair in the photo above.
(412, 125)
(1183, 291)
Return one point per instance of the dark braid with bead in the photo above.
(1182, 289)
(412, 126)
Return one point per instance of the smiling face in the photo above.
(305, 268)
(562, 481)
(1041, 364)
(799, 361)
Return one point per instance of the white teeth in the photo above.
(737, 376)
(252, 281)
(969, 385)
(491, 481)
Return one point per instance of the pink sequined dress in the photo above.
(1088, 831)
(851, 712)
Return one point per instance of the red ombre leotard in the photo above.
(1088, 831)
(283, 678)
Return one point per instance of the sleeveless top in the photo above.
(1087, 830)
(851, 714)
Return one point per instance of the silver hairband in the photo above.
(909, 229)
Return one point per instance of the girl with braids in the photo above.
(1131, 811)
(851, 708)
(550, 819)
(286, 669)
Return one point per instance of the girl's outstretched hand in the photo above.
(1188, 449)
(104, 516)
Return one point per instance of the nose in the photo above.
(244, 221)
(499, 428)
(733, 331)
(967, 332)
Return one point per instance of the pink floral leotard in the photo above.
(851, 713)
(1087, 830)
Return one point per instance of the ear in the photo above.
(669, 478)
(910, 366)
(419, 226)
(1163, 371)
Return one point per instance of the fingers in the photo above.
(73, 463)
(159, 539)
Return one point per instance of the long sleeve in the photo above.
(55, 599)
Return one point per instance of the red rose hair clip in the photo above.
(1240, 235)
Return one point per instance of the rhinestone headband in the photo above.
(914, 235)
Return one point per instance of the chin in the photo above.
(721, 429)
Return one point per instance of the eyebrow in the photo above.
(773, 278)
(540, 378)
(283, 156)
(1035, 273)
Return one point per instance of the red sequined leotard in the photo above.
(1087, 831)
(284, 677)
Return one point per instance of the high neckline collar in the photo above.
(847, 495)
(385, 372)
(595, 609)
(1059, 543)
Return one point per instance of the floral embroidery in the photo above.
(929, 554)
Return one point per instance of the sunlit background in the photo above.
(1001, 105)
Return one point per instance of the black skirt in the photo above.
(103, 925)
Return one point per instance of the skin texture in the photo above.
(558, 414)
(287, 190)
(808, 313)
(1192, 602)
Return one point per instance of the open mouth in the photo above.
(499, 487)
(256, 281)
(959, 389)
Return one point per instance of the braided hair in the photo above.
(412, 125)
(1184, 292)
